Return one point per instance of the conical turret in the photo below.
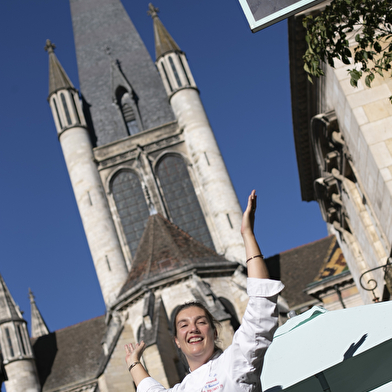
(170, 59)
(16, 348)
(77, 148)
(8, 308)
(38, 325)
(205, 156)
(164, 43)
(58, 79)
(63, 97)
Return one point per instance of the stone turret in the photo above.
(77, 148)
(210, 169)
(18, 357)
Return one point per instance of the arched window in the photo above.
(181, 199)
(66, 111)
(9, 341)
(183, 68)
(57, 113)
(127, 104)
(75, 108)
(131, 207)
(174, 69)
(167, 77)
(20, 333)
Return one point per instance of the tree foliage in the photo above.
(367, 23)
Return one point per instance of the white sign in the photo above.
(263, 13)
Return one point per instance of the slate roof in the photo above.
(72, 355)
(300, 266)
(164, 249)
(103, 32)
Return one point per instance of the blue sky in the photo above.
(243, 79)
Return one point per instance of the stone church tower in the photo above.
(140, 145)
(158, 208)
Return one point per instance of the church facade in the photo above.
(157, 205)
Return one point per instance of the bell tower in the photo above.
(204, 155)
(140, 143)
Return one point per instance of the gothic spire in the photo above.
(38, 325)
(58, 79)
(8, 308)
(104, 33)
(164, 42)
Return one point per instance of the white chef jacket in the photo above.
(238, 368)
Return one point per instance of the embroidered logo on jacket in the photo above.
(212, 384)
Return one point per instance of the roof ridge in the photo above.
(302, 246)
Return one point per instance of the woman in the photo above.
(238, 368)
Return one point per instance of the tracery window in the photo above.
(181, 199)
(131, 207)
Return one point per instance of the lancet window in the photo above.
(66, 111)
(181, 200)
(131, 207)
(166, 76)
(57, 113)
(127, 106)
(174, 69)
(9, 342)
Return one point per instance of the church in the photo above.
(159, 212)
(156, 202)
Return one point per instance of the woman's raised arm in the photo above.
(254, 258)
(135, 367)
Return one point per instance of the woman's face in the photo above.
(195, 336)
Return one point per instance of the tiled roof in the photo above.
(334, 263)
(300, 266)
(71, 355)
(163, 249)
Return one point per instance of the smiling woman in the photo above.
(239, 367)
(195, 333)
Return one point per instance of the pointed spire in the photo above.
(8, 308)
(38, 325)
(58, 79)
(164, 42)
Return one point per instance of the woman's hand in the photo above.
(248, 219)
(133, 354)
(254, 258)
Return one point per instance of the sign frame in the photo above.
(259, 24)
